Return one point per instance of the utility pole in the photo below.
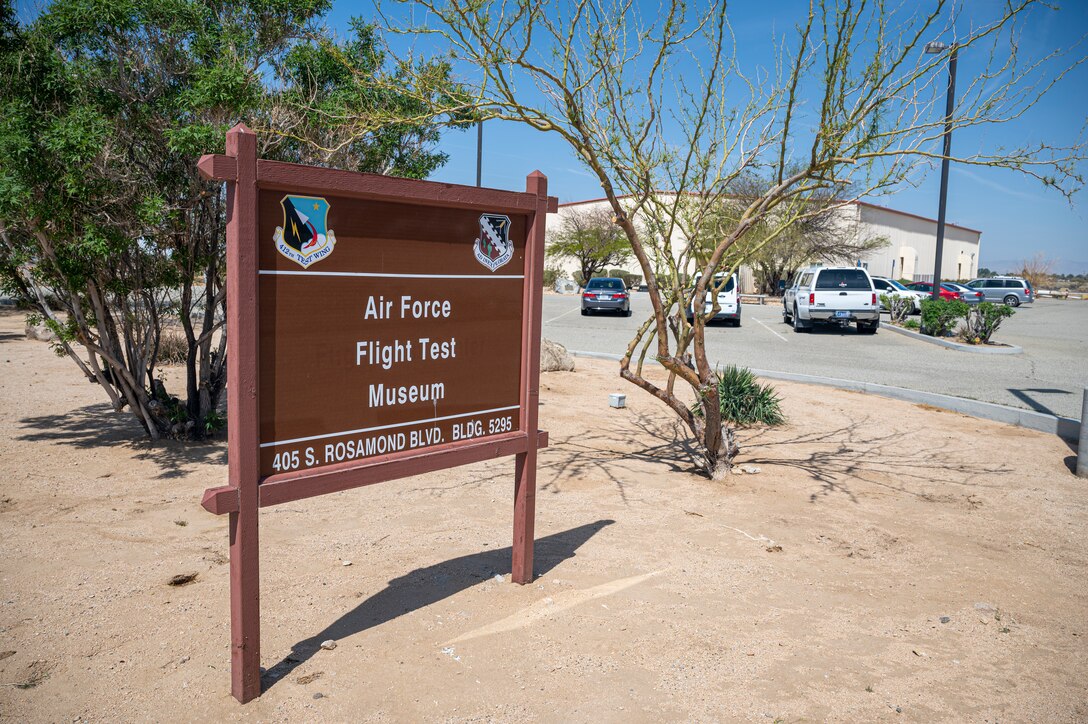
(938, 47)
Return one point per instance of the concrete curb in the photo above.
(1064, 427)
(959, 347)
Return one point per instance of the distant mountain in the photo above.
(1010, 266)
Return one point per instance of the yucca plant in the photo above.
(743, 400)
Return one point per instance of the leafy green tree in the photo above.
(590, 238)
(106, 226)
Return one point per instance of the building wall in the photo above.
(910, 253)
(913, 246)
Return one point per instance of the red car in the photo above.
(947, 292)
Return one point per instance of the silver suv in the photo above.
(1012, 291)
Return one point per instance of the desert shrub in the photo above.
(173, 349)
(551, 276)
(618, 273)
(578, 278)
(631, 280)
(983, 321)
(744, 401)
(939, 317)
(899, 307)
(911, 324)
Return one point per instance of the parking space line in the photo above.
(776, 334)
(549, 321)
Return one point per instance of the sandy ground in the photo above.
(812, 591)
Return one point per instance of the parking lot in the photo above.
(1048, 377)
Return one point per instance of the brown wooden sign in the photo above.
(377, 328)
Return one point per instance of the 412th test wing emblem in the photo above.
(493, 248)
(304, 237)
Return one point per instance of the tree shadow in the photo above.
(97, 425)
(11, 337)
(425, 586)
(856, 452)
(609, 451)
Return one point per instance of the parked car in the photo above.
(1012, 291)
(837, 295)
(606, 294)
(967, 294)
(947, 292)
(728, 303)
(883, 285)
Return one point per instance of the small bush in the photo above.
(173, 349)
(983, 321)
(940, 317)
(911, 324)
(632, 280)
(744, 401)
(899, 307)
(551, 276)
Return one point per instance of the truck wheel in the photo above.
(798, 325)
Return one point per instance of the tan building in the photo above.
(910, 253)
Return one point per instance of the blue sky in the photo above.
(1017, 216)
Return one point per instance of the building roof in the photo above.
(855, 203)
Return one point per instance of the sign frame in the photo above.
(246, 491)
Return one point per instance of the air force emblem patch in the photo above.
(493, 248)
(304, 238)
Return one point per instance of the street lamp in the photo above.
(935, 48)
(479, 152)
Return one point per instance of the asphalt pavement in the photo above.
(1048, 377)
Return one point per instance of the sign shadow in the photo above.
(424, 586)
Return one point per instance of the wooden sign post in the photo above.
(377, 328)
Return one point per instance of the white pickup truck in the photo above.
(831, 295)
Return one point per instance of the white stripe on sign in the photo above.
(388, 427)
(278, 272)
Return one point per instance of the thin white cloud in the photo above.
(988, 183)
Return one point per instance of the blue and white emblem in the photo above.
(304, 238)
(493, 248)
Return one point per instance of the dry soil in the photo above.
(887, 563)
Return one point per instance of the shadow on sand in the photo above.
(96, 426)
(424, 586)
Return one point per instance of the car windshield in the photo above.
(717, 282)
(601, 284)
(842, 279)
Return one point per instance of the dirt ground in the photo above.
(888, 563)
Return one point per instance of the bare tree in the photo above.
(590, 238)
(851, 106)
(1037, 270)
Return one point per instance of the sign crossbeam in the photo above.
(413, 347)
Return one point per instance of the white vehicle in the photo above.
(831, 295)
(728, 303)
(891, 287)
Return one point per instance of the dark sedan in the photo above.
(606, 294)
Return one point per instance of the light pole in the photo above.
(479, 152)
(937, 47)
